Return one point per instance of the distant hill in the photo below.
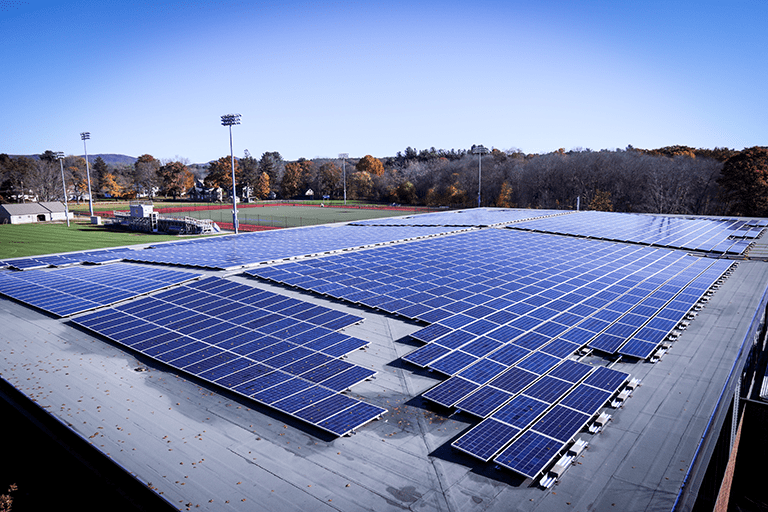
(109, 158)
(112, 159)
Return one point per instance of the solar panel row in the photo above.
(72, 290)
(697, 234)
(227, 252)
(279, 351)
(475, 217)
(61, 260)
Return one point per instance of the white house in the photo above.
(24, 213)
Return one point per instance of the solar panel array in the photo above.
(227, 252)
(279, 351)
(475, 217)
(695, 234)
(484, 288)
(62, 260)
(526, 432)
(507, 309)
(73, 290)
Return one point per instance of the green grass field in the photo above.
(22, 240)
(291, 216)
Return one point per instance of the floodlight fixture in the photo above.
(229, 120)
(479, 151)
(60, 156)
(86, 136)
(344, 157)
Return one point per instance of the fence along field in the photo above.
(259, 216)
(288, 215)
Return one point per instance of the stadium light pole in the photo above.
(60, 156)
(344, 157)
(85, 136)
(229, 120)
(479, 151)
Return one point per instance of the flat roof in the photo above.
(196, 444)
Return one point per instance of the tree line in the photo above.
(670, 180)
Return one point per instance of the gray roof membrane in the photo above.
(197, 444)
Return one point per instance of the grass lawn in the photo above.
(22, 240)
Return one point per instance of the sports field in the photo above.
(288, 216)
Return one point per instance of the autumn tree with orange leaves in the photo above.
(371, 165)
(220, 174)
(175, 179)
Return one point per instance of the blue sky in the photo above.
(313, 79)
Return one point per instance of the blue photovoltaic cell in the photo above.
(532, 340)
(313, 360)
(243, 376)
(431, 333)
(586, 399)
(325, 408)
(538, 362)
(302, 399)
(638, 348)
(326, 370)
(426, 354)
(262, 382)
(481, 346)
(351, 418)
(213, 361)
(482, 371)
(281, 390)
(453, 363)
(344, 347)
(529, 454)
(521, 411)
(509, 354)
(486, 439)
(561, 423)
(571, 371)
(483, 401)
(548, 389)
(455, 339)
(607, 379)
(347, 378)
(505, 333)
(514, 380)
(560, 348)
(607, 343)
(450, 391)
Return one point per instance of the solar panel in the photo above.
(486, 439)
(351, 418)
(450, 391)
(530, 453)
(453, 362)
(586, 399)
(521, 411)
(484, 401)
(548, 389)
(607, 379)
(561, 423)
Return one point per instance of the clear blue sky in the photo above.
(313, 79)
